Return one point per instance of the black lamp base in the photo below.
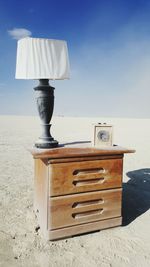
(46, 144)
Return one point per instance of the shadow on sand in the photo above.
(136, 195)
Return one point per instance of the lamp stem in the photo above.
(45, 106)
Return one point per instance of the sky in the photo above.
(109, 53)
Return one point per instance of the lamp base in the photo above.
(41, 143)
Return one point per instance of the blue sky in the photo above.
(109, 51)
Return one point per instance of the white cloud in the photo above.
(18, 33)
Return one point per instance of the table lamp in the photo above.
(43, 59)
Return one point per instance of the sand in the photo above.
(21, 245)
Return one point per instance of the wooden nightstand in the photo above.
(78, 190)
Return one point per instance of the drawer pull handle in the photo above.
(87, 213)
(88, 181)
(87, 203)
(88, 171)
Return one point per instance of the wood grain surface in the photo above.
(41, 184)
(78, 190)
(82, 208)
(69, 152)
(79, 229)
(75, 177)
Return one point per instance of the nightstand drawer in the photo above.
(83, 208)
(84, 176)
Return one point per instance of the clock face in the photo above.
(103, 136)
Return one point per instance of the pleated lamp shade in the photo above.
(39, 58)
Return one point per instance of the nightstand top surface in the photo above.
(72, 151)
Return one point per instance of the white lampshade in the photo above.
(39, 58)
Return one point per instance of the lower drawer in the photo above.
(83, 208)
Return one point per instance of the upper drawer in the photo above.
(84, 176)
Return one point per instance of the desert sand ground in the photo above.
(21, 245)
